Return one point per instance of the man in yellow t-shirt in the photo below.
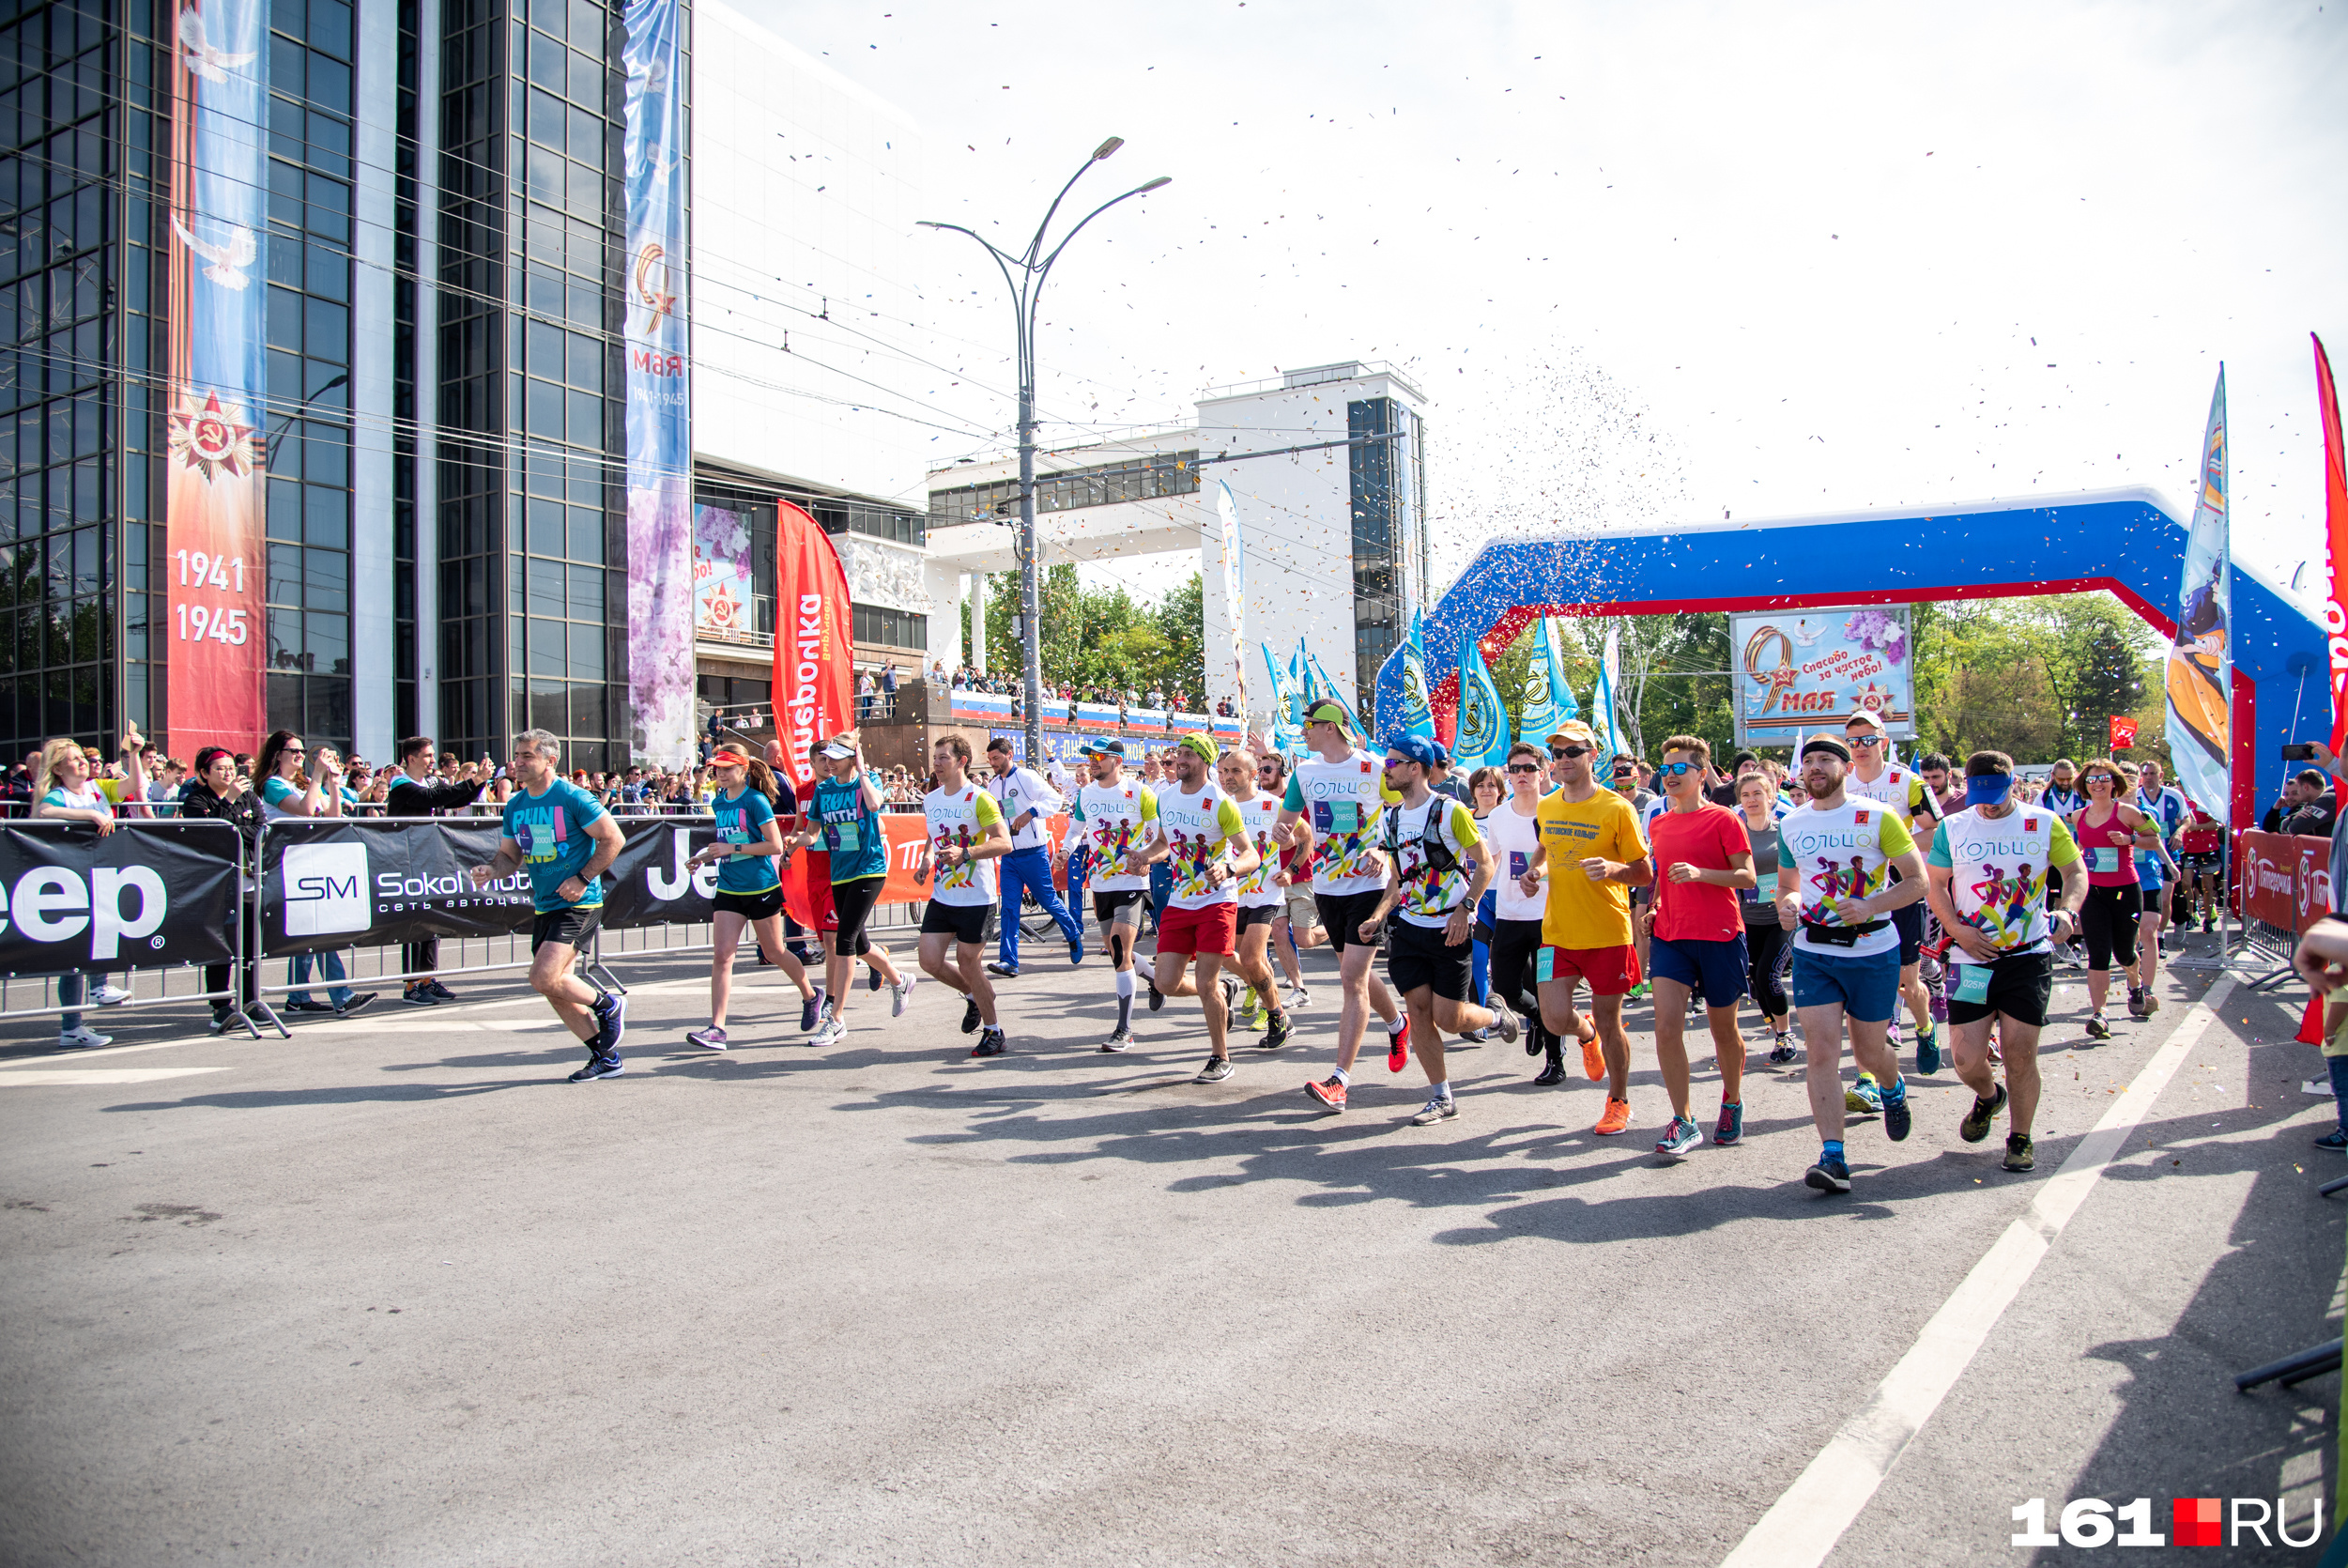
(1589, 837)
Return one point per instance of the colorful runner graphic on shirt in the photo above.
(1193, 855)
(963, 873)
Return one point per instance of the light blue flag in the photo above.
(1482, 737)
(1325, 687)
(1416, 717)
(1549, 703)
(1602, 701)
(1553, 649)
(2200, 672)
(1288, 707)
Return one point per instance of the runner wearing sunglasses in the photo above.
(2109, 833)
(1514, 829)
(1698, 938)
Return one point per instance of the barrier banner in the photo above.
(144, 896)
(2286, 879)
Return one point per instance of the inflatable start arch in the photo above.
(2125, 541)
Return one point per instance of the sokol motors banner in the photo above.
(215, 623)
(815, 678)
(660, 434)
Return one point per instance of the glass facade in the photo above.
(1174, 473)
(1389, 528)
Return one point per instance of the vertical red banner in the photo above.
(815, 677)
(2335, 541)
(215, 627)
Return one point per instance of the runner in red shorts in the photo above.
(1207, 843)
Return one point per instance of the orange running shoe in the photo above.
(1617, 1119)
(1593, 1059)
(1329, 1093)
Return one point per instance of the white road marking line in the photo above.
(1803, 1526)
(25, 1078)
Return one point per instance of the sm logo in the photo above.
(326, 889)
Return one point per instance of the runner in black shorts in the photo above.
(966, 836)
(747, 847)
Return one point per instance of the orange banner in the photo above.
(905, 831)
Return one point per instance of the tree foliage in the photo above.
(1101, 636)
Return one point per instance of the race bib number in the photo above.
(2103, 858)
(1972, 983)
(1337, 816)
(841, 838)
(1519, 863)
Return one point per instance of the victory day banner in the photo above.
(216, 624)
(724, 601)
(1797, 671)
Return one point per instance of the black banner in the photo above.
(353, 882)
(148, 894)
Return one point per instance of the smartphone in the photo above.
(2299, 752)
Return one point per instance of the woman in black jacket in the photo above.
(219, 792)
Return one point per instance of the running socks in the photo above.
(1341, 1075)
(1125, 999)
(1440, 1091)
(1833, 1150)
(1897, 1093)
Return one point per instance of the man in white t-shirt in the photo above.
(1027, 803)
(966, 837)
(1200, 825)
(1116, 819)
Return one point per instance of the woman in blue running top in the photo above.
(749, 853)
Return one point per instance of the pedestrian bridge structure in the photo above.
(2126, 541)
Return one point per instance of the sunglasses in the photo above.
(2099, 779)
(1675, 769)
(1524, 767)
(1870, 742)
(1394, 762)
(1562, 752)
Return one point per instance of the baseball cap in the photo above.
(1576, 731)
(1442, 754)
(1104, 749)
(1328, 711)
(1418, 749)
(1831, 744)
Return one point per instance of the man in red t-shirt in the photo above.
(1703, 861)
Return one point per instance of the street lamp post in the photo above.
(1024, 275)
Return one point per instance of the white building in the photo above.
(1334, 535)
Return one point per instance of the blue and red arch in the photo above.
(2124, 542)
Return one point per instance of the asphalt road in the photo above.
(395, 1293)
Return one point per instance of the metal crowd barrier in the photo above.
(150, 985)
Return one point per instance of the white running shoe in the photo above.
(1298, 999)
(898, 993)
(82, 1038)
(110, 996)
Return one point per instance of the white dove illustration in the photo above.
(229, 260)
(202, 58)
(1805, 636)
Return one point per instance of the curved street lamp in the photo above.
(1024, 275)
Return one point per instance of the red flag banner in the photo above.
(2334, 542)
(815, 678)
(2122, 731)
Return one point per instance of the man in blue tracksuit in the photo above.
(1027, 800)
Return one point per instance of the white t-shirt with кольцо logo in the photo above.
(1340, 802)
(1844, 852)
(1198, 827)
(1998, 874)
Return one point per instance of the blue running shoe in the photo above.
(1678, 1138)
(611, 1022)
(1829, 1175)
(1928, 1052)
(1732, 1125)
(1076, 953)
(1896, 1118)
(810, 1008)
(599, 1065)
(1863, 1097)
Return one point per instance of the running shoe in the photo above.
(1476, 1036)
(1076, 953)
(1891, 1032)
(109, 997)
(1829, 1175)
(309, 1004)
(1214, 1071)
(611, 1022)
(2096, 1028)
(1534, 1045)
(1975, 1125)
(1552, 1075)
(2136, 1003)
(2152, 1000)
(1616, 1119)
(1438, 1107)
(439, 992)
(991, 1043)
(1642, 990)
(82, 1038)
(599, 1065)
(970, 1015)
(1329, 1093)
(2208, 925)
(1730, 1127)
(1230, 984)
(221, 1021)
(1928, 1052)
(1001, 971)
(1398, 1043)
(1898, 1116)
(1298, 999)
(898, 991)
(1679, 1137)
(420, 996)
(363, 999)
(1504, 1020)
(1121, 1040)
(2020, 1154)
(710, 1039)
(873, 980)
(2335, 1140)
(811, 1009)
(1157, 997)
(1276, 1034)
(1783, 1052)
(1865, 1098)
(1593, 1055)
(828, 1029)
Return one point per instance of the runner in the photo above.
(1987, 877)
(2064, 795)
(1026, 801)
(1592, 849)
(2108, 833)
(748, 848)
(567, 839)
(966, 833)
(1332, 811)
(1261, 904)
(1118, 818)
(2202, 869)
(2156, 872)
(845, 812)
(1298, 924)
(1835, 855)
(1902, 792)
(1947, 791)
(1766, 949)
(1513, 831)
(1202, 918)
(1428, 838)
(1626, 773)
(1705, 865)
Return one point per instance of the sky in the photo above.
(1658, 263)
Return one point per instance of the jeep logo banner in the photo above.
(147, 896)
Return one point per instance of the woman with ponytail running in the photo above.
(749, 889)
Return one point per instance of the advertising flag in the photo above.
(1601, 701)
(1287, 733)
(216, 432)
(2200, 676)
(1481, 738)
(1235, 589)
(1548, 701)
(1417, 718)
(814, 657)
(659, 408)
(2335, 542)
(2122, 731)
(1555, 637)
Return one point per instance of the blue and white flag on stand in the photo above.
(1602, 701)
(1481, 739)
(1418, 716)
(2200, 671)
